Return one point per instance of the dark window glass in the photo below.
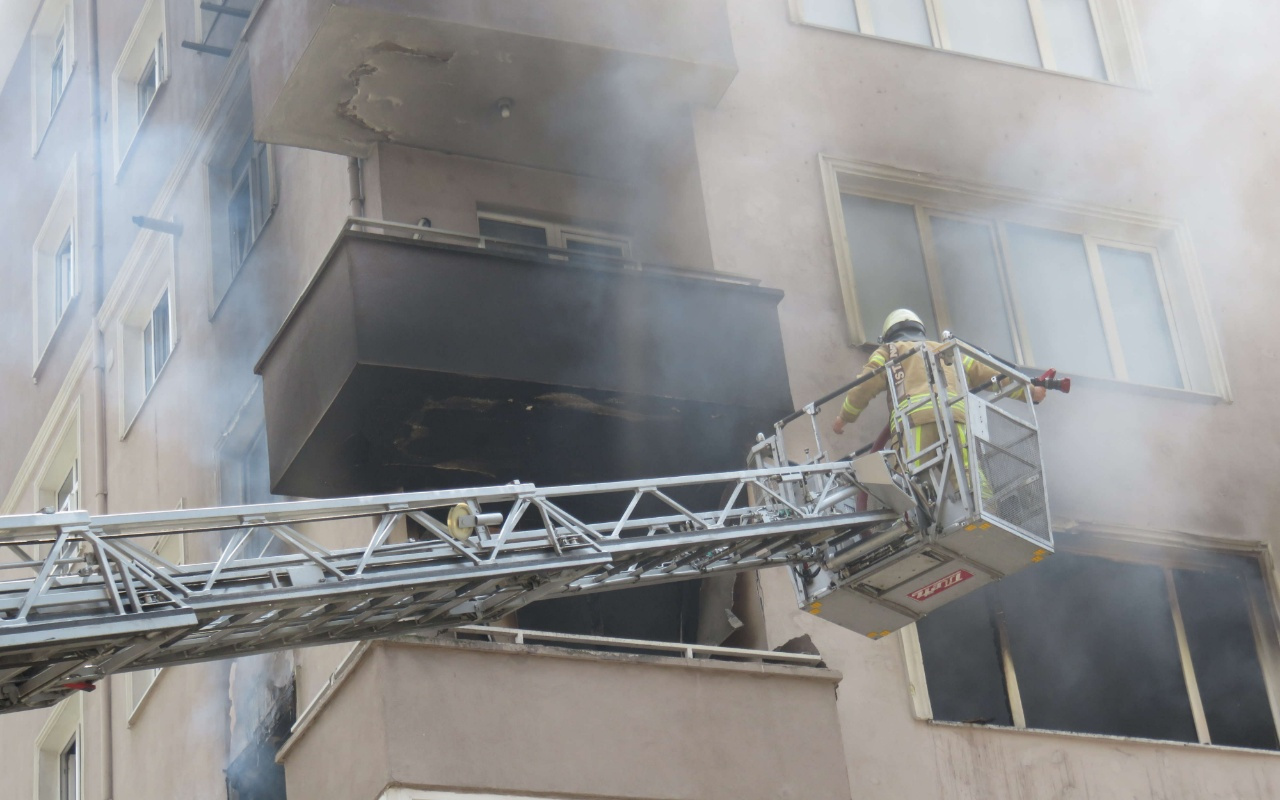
(1095, 650)
(513, 232)
(1215, 614)
(962, 661)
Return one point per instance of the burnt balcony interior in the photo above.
(427, 360)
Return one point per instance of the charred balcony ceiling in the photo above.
(411, 364)
(592, 86)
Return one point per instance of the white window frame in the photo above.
(140, 684)
(558, 235)
(64, 726)
(1113, 25)
(156, 279)
(203, 27)
(64, 458)
(148, 43)
(48, 314)
(56, 17)
(235, 133)
(997, 207)
(1170, 552)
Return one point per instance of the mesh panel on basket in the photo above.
(1013, 484)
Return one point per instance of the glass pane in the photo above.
(148, 357)
(1095, 650)
(513, 232)
(831, 13)
(160, 332)
(904, 20)
(593, 247)
(1074, 38)
(961, 653)
(1195, 354)
(239, 220)
(1054, 292)
(1215, 612)
(971, 284)
(1140, 316)
(66, 498)
(147, 83)
(888, 262)
(993, 28)
(69, 773)
(261, 188)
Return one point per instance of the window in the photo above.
(58, 487)
(57, 68)
(155, 342)
(221, 23)
(541, 234)
(55, 279)
(1080, 37)
(52, 61)
(59, 756)
(69, 772)
(170, 549)
(244, 469)
(64, 277)
(1092, 292)
(147, 327)
(149, 81)
(1175, 647)
(138, 76)
(68, 494)
(242, 193)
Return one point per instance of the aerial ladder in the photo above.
(873, 542)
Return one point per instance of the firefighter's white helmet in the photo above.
(897, 320)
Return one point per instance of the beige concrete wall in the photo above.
(661, 212)
(1115, 455)
(509, 720)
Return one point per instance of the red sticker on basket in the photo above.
(940, 585)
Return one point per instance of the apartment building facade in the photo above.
(310, 249)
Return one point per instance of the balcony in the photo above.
(509, 719)
(420, 359)
(586, 79)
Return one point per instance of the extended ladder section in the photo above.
(874, 542)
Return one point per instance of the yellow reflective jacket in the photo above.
(911, 383)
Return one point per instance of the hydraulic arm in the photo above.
(873, 542)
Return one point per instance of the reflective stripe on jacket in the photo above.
(911, 383)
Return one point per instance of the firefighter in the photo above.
(904, 331)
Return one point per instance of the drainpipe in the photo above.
(99, 356)
(355, 178)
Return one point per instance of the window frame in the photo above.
(1098, 226)
(63, 729)
(146, 289)
(148, 43)
(227, 143)
(60, 224)
(1123, 62)
(559, 234)
(53, 20)
(1151, 548)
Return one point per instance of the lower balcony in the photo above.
(442, 716)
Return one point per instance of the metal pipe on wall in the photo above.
(99, 355)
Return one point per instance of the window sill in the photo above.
(960, 54)
(38, 367)
(1164, 392)
(137, 412)
(1104, 737)
(123, 163)
(141, 703)
(43, 133)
